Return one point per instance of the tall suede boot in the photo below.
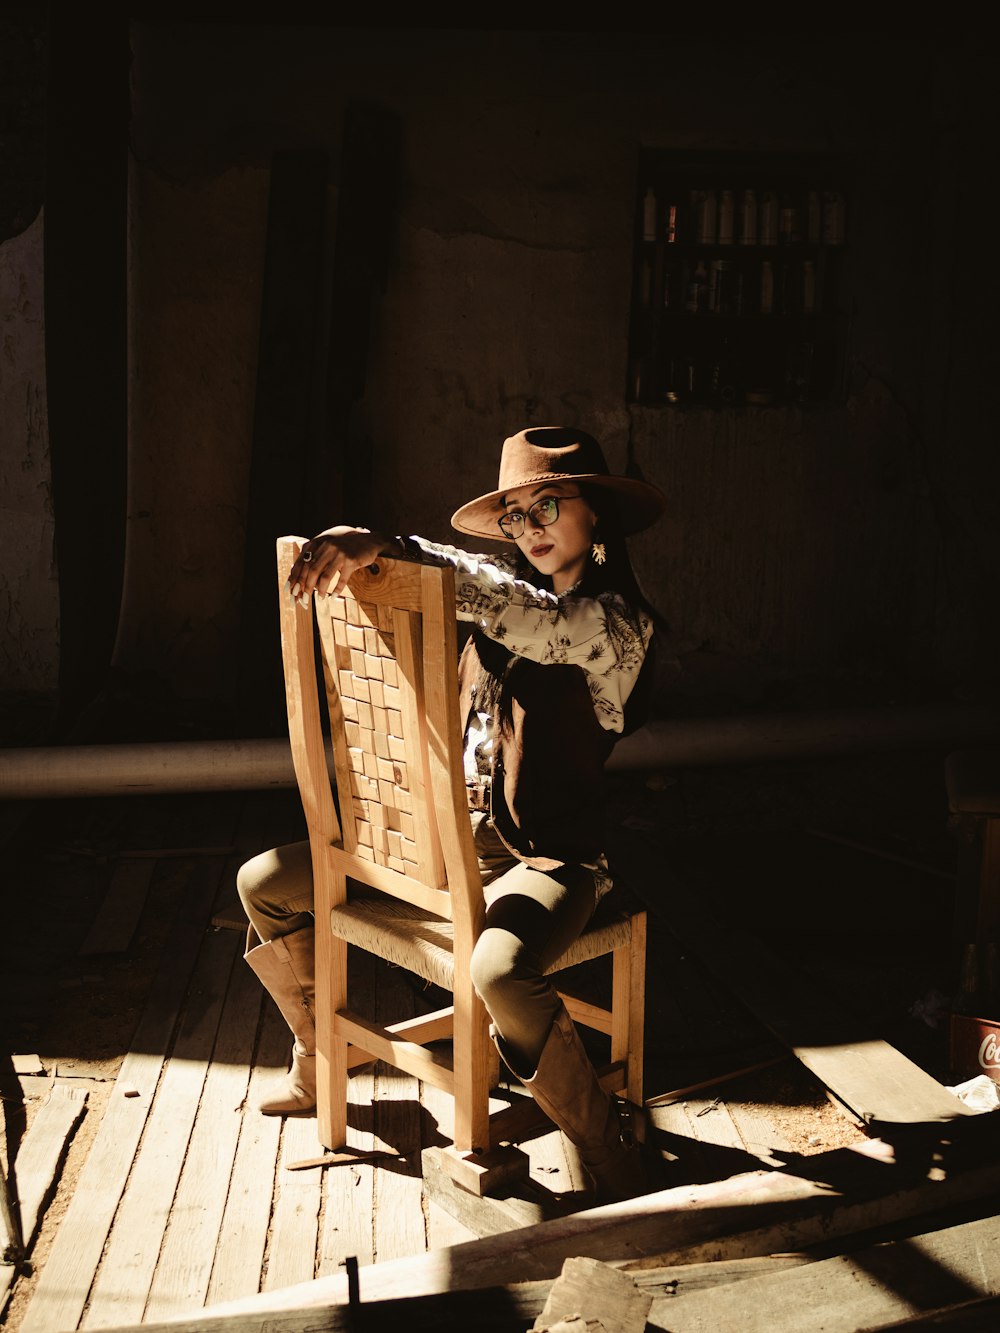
(287, 971)
(566, 1088)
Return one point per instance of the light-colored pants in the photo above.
(531, 918)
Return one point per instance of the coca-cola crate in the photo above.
(975, 1046)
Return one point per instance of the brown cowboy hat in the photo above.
(557, 453)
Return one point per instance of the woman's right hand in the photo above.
(328, 560)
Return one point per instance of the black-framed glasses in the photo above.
(543, 512)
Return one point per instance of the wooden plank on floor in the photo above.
(832, 1038)
(239, 1257)
(870, 1287)
(399, 1217)
(982, 1316)
(348, 1228)
(37, 1164)
(720, 1149)
(121, 909)
(126, 1273)
(295, 1223)
(847, 1191)
(509, 1308)
(68, 1274)
(184, 1269)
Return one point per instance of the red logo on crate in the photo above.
(989, 1052)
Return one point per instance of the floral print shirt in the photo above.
(604, 635)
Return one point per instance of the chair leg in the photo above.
(331, 1050)
(474, 1059)
(628, 1007)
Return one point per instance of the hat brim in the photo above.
(479, 517)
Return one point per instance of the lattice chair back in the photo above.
(389, 655)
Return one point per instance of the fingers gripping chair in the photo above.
(397, 874)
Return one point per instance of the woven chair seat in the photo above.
(412, 938)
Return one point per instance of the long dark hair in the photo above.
(615, 575)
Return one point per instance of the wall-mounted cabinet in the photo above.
(739, 279)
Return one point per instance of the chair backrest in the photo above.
(389, 654)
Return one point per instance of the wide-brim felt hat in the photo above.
(557, 453)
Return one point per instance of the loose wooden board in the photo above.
(506, 1309)
(37, 1163)
(121, 909)
(846, 1191)
(866, 1289)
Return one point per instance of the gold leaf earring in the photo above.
(598, 554)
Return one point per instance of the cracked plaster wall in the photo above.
(854, 545)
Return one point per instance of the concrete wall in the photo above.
(848, 552)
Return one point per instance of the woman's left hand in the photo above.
(328, 560)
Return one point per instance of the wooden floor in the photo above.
(187, 1196)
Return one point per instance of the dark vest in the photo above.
(548, 760)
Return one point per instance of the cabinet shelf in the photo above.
(740, 321)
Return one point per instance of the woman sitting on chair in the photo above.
(556, 669)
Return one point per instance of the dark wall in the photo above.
(809, 555)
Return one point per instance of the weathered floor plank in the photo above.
(42, 1150)
(295, 1224)
(239, 1256)
(66, 1280)
(399, 1217)
(185, 1265)
(349, 1195)
(127, 1268)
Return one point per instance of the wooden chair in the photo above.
(397, 874)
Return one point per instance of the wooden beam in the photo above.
(867, 1289)
(504, 1309)
(817, 1198)
(941, 1279)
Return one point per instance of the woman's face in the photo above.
(560, 548)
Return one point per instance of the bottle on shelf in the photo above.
(670, 228)
(788, 221)
(833, 217)
(767, 219)
(748, 218)
(707, 217)
(808, 287)
(727, 209)
(649, 215)
(697, 292)
(722, 287)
